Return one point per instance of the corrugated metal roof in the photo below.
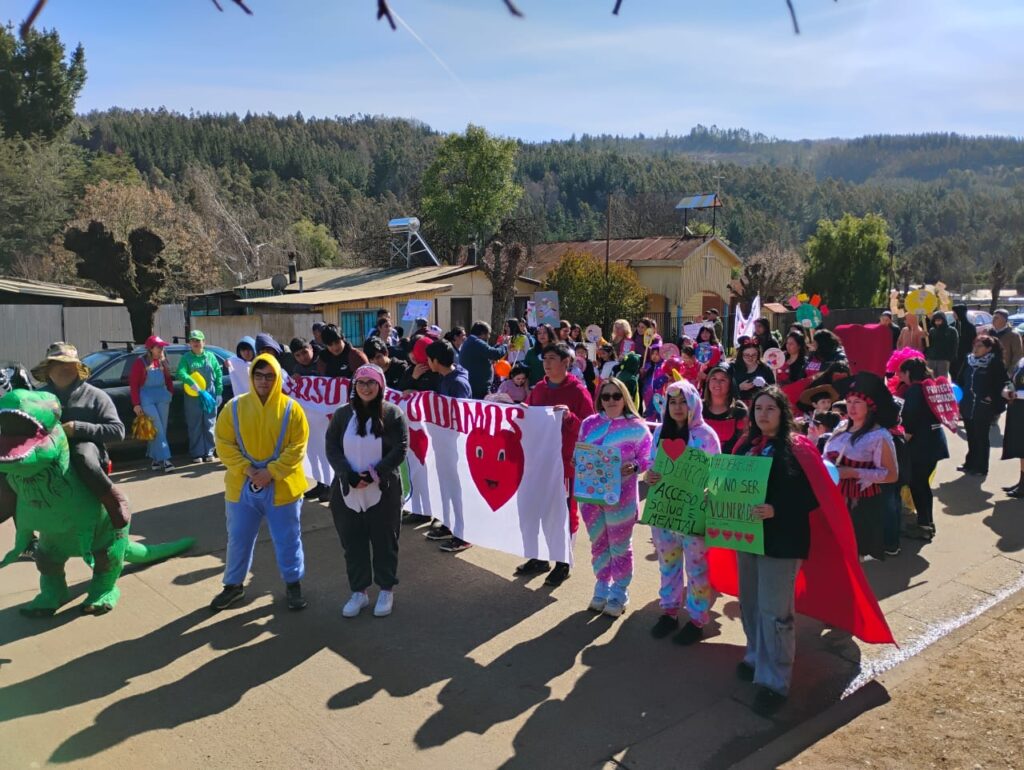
(323, 278)
(54, 290)
(666, 248)
(366, 291)
(702, 201)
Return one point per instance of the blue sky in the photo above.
(860, 66)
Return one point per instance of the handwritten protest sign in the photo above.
(547, 307)
(598, 474)
(676, 502)
(417, 308)
(736, 483)
(939, 395)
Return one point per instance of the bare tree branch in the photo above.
(33, 14)
(792, 15)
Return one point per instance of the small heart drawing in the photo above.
(749, 537)
(712, 532)
(727, 534)
(418, 443)
(673, 447)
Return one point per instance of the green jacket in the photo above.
(190, 362)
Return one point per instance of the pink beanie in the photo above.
(370, 372)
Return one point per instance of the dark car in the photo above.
(110, 370)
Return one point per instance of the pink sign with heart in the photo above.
(939, 395)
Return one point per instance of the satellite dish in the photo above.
(279, 282)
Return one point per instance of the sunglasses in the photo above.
(611, 396)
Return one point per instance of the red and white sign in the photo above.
(939, 395)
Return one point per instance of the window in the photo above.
(462, 313)
(357, 324)
(519, 307)
(116, 373)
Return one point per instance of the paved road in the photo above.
(475, 669)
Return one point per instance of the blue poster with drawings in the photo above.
(598, 474)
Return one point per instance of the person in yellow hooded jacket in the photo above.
(261, 439)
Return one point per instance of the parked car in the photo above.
(980, 318)
(110, 370)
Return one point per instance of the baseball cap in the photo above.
(195, 334)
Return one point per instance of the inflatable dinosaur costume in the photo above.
(53, 502)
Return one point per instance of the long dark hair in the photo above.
(538, 345)
(917, 368)
(870, 423)
(713, 338)
(669, 428)
(826, 344)
(787, 427)
(513, 328)
(374, 411)
(801, 340)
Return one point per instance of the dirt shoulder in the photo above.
(960, 704)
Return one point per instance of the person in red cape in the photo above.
(810, 563)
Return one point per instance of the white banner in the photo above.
(491, 472)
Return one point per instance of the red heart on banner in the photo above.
(496, 464)
(727, 534)
(748, 536)
(938, 393)
(712, 532)
(673, 447)
(418, 443)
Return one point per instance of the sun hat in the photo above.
(153, 341)
(59, 353)
(195, 334)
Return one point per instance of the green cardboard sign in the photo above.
(736, 483)
(676, 502)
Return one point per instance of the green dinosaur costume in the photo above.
(54, 502)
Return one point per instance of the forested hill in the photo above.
(954, 204)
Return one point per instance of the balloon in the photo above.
(958, 393)
(502, 368)
(833, 471)
(197, 384)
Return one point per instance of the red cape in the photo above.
(830, 586)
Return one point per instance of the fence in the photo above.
(29, 329)
(226, 330)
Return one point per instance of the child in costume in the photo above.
(616, 424)
(682, 420)
(199, 417)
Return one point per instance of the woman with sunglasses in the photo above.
(982, 380)
(366, 445)
(616, 424)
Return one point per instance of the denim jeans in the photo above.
(767, 609)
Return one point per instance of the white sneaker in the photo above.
(385, 602)
(355, 604)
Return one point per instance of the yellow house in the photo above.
(684, 276)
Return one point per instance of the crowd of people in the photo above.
(788, 396)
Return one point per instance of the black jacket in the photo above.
(395, 444)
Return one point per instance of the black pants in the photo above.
(89, 463)
(978, 444)
(370, 541)
(921, 489)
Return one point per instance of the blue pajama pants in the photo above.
(243, 520)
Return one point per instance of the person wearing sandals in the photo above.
(926, 443)
(682, 420)
(152, 386)
(261, 439)
(367, 441)
(617, 424)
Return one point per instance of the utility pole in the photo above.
(607, 259)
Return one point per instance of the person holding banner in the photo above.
(682, 421)
(926, 443)
(367, 441)
(619, 425)
(767, 583)
(569, 396)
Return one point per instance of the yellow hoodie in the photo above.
(260, 426)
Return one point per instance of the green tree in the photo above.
(469, 188)
(587, 298)
(848, 260)
(38, 89)
(314, 244)
(136, 271)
